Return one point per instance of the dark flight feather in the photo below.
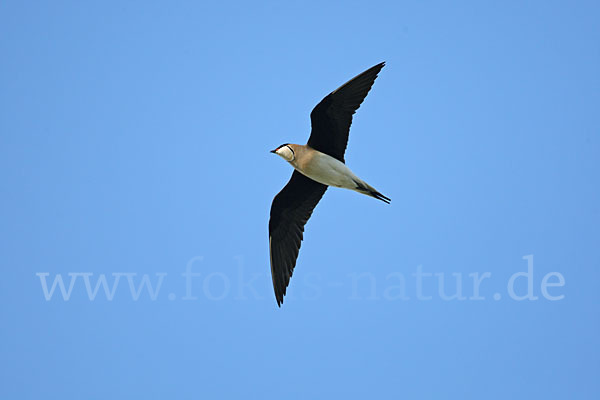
(290, 211)
(332, 117)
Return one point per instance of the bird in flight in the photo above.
(317, 165)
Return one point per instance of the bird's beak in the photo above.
(273, 151)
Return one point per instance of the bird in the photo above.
(317, 165)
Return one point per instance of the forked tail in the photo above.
(364, 188)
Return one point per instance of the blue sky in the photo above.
(134, 142)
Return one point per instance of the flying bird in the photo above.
(317, 165)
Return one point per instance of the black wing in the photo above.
(331, 118)
(290, 210)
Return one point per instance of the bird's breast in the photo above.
(326, 170)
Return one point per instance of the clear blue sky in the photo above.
(134, 141)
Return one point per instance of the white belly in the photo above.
(329, 171)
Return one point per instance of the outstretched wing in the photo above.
(331, 118)
(290, 210)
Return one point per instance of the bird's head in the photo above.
(286, 152)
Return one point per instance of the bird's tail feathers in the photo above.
(364, 188)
